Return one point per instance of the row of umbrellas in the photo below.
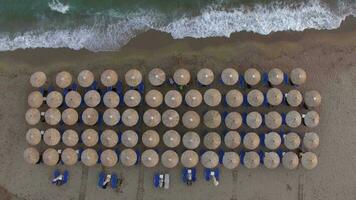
(170, 159)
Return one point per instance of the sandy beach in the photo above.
(329, 57)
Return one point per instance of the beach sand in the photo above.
(329, 57)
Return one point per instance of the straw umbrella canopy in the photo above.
(274, 96)
(108, 158)
(64, 79)
(293, 119)
(272, 140)
(309, 160)
(169, 159)
(233, 120)
(128, 157)
(193, 98)
(254, 119)
(255, 98)
(191, 140)
(294, 98)
(150, 158)
(129, 138)
(170, 118)
(73, 99)
(33, 136)
(251, 160)
(290, 160)
(38, 79)
(312, 98)
(109, 138)
(212, 140)
(275, 76)
(171, 138)
(111, 99)
(231, 160)
(232, 139)
(156, 77)
(31, 155)
(292, 141)
(132, 98)
(85, 78)
(181, 77)
(35, 99)
(251, 140)
(109, 78)
(130, 117)
(189, 159)
(150, 138)
(70, 138)
(271, 160)
(205, 76)
(89, 157)
(50, 157)
(51, 137)
(311, 119)
(212, 97)
(90, 116)
(154, 98)
(173, 98)
(70, 116)
(273, 120)
(209, 159)
(54, 99)
(234, 98)
(69, 156)
(229, 76)
(133, 77)
(212, 119)
(33, 116)
(252, 76)
(52, 116)
(92, 98)
(111, 116)
(151, 117)
(90, 137)
(298, 76)
(311, 140)
(191, 119)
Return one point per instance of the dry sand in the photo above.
(329, 58)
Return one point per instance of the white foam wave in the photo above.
(57, 6)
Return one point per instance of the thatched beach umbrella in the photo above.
(181, 77)
(173, 98)
(111, 116)
(129, 138)
(109, 78)
(64, 79)
(251, 140)
(274, 96)
(108, 158)
(171, 138)
(35, 99)
(209, 159)
(311, 140)
(231, 160)
(89, 157)
(255, 98)
(51, 137)
(170, 118)
(212, 119)
(33, 136)
(73, 99)
(150, 158)
(38, 79)
(90, 116)
(111, 99)
(150, 138)
(273, 120)
(54, 99)
(128, 157)
(205, 76)
(133, 77)
(85, 78)
(272, 140)
(293, 119)
(294, 98)
(298, 76)
(109, 138)
(232, 139)
(191, 119)
(252, 76)
(92, 98)
(311, 119)
(275, 76)
(234, 98)
(193, 98)
(212, 140)
(70, 116)
(50, 157)
(290, 160)
(52, 116)
(271, 160)
(31, 155)
(189, 159)
(90, 137)
(130, 117)
(312, 98)
(151, 117)
(309, 160)
(229, 76)
(292, 141)
(251, 160)
(191, 140)
(212, 97)
(132, 98)
(70, 137)
(154, 98)
(33, 116)
(169, 159)
(156, 77)
(69, 156)
(254, 119)
(233, 120)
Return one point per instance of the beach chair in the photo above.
(283, 115)
(244, 116)
(242, 156)
(60, 179)
(189, 175)
(221, 153)
(141, 88)
(262, 156)
(286, 79)
(265, 79)
(114, 181)
(262, 139)
(102, 177)
(242, 81)
(245, 101)
(265, 102)
(157, 180)
(212, 174)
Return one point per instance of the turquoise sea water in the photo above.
(102, 25)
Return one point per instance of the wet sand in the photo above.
(329, 57)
